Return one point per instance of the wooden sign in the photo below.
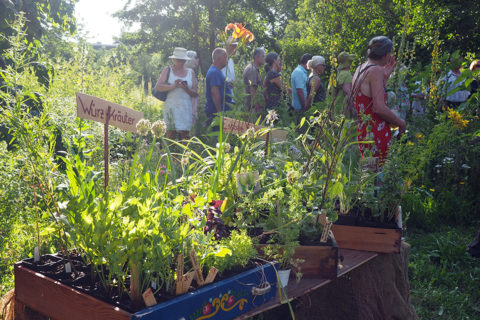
(96, 109)
(240, 127)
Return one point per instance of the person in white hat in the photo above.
(193, 64)
(315, 87)
(229, 70)
(181, 84)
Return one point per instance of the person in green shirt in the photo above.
(343, 86)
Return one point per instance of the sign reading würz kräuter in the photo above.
(93, 108)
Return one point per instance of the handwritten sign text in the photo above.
(93, 108)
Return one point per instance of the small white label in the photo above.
(399, 217)
(36, 255)
(154, 285)
(68, 267)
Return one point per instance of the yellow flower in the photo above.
(457, 119)
(432, 190)
(462, 182)
(410, 143)
(419, 136)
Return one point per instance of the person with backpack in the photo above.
(181, 85)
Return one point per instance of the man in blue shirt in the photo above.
(219, 95)
(299, 84)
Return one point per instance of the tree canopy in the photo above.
(41, 15)
(195, 24)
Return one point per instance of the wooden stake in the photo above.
(196, 267)
(326, 232)
(180, 267)
(187, 280)
(148, 298)
(105, 142)
(211, 275)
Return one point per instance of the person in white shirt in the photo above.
(229, 70)
(453, 100)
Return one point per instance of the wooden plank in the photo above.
(294, 290)
(368, 239)
(58, 301)
(93, 108)
(318, 261)
(351, 259)
(240, 127)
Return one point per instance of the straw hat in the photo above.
(345, 60)
(180, 54)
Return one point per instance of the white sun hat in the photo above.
(179, 53)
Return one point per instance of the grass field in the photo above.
(444, 279)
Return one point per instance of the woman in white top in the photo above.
(193, 64)
(181, 85)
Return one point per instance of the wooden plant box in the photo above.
(225, 299)
(381, 240)
(58, 301)
(318, 261)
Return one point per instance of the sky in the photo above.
(96, 18)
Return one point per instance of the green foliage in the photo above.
(353, 23)
(444, 279)
(41, 16)
(439, 164)
(241, 252)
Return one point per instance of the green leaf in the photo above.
(223, 252)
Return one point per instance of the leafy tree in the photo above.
(195, 24)
(352, 23)
(41, 15)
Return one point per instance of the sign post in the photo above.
(108, 113)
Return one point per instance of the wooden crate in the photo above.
(319, 261)
(381, 240)
(221, 300)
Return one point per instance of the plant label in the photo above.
(240, 127)
(326, 232)
(247, 181)
(187, 280)
(93, 108)
(148, 298)
(36, 254)
(211, 275)
(197, 268)
(68, 267)
(398, 217)
(180, 267)
(154, 285)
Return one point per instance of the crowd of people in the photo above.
(362, 95)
